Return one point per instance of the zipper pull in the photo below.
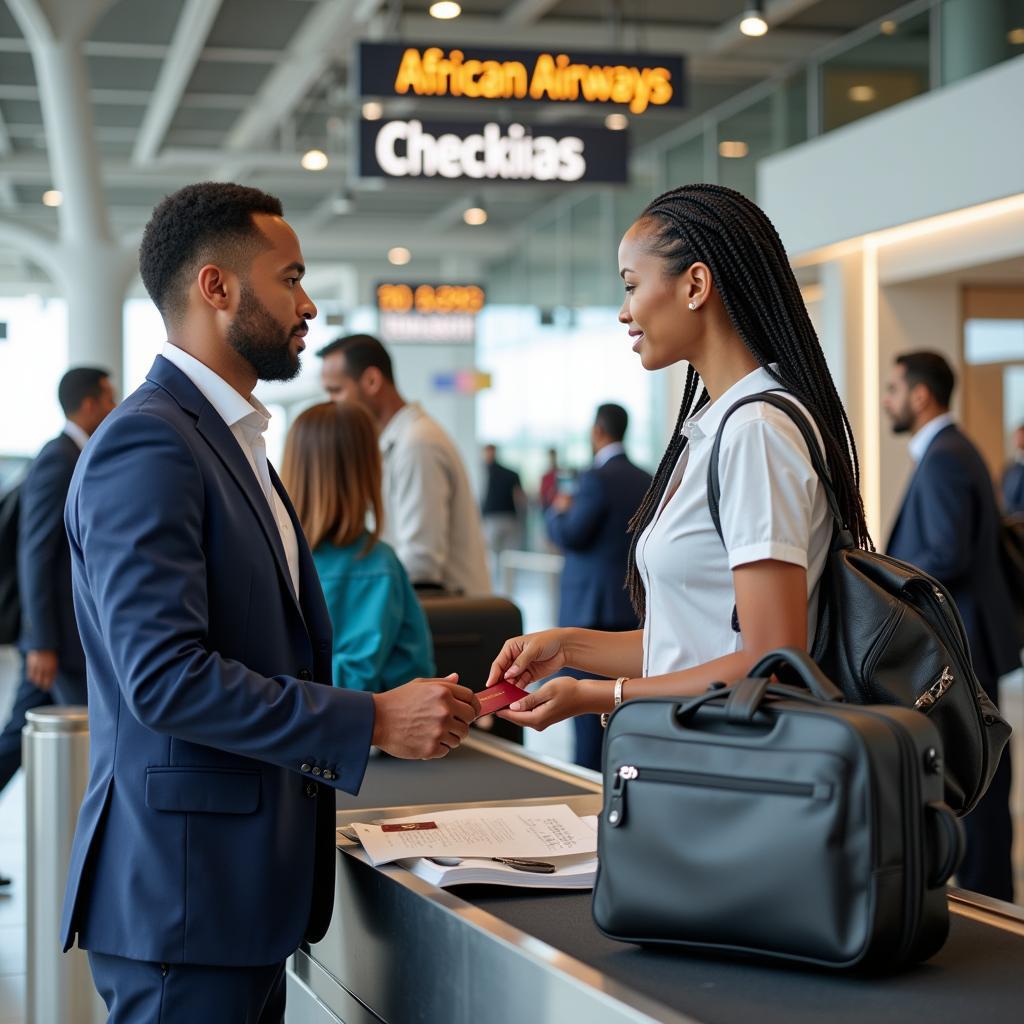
(617, 804)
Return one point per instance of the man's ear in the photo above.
(216, 286)
(371, 381)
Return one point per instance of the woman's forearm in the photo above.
(604, 653)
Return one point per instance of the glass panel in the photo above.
(743, 139)
(629, 202)
(592, 268)
(543, 266)
(684, 164)
(881, 72)
(993, 341)
(979, 33)
(789, 112)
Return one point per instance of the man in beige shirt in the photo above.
(431, 515)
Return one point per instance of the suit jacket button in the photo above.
(305, 674)
(310, 789)
(328, 774)
(316, 770)
(304, 768)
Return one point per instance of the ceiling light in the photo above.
(445, 10)
(1016, 36)
(616, 122)
(475, 216)
(399, 256)
(889, 27)
(862, 93)
(314, 160)
(52, 197)
(752, 23)
(372, 110)
(733, 149)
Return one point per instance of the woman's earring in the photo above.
(693, 305)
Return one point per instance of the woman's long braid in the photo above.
(722, 228)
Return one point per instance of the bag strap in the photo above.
(786, 406)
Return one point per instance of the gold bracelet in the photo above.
(616, 700)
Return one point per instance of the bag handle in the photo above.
(786, 406)
(792, 665)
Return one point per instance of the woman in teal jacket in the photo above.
(332, 471)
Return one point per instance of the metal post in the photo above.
(55, 755)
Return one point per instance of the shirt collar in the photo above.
(706, 422)
(398, 423)
(920, 442)
(609, 451)
(230, 405)
(76, 433)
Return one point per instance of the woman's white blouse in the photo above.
(772, 507)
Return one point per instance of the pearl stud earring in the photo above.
(693, 305)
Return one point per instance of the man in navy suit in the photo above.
(948, 526)
(204, 852)
(1013, 477)
(54, 664)
(591, 527)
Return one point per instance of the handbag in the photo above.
(888, 633)
(776, 821)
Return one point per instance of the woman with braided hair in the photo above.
(708, 283)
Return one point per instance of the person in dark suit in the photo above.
(1013, 477)
(54, 663)
(591, 528)
(204, 851)
(502, 508)
(948, 526)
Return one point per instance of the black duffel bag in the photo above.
(888, 633)
(769, 820)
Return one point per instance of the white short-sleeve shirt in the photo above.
(772, 507)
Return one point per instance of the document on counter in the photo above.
(544, 831)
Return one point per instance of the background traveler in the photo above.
(431, 517)
(502, 508)
(948, 525)
(332, 472)
(549, 481)
(592, 530)
(1013, 477)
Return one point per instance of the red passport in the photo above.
(499, 696)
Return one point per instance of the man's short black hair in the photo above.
(203, 223)
(931, 370)
(77, 385)
(613, 420)
(361, 351)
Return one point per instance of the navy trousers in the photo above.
(137, 990)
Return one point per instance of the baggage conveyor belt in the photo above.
(400, 950)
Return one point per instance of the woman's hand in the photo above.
(559, 699)
(525, 659)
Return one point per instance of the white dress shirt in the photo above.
(76, 433)
(920, 442)
(772, 507)
(609, 451)
(247, 421)
(431, 517)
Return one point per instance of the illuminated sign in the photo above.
(636, 80)
(426, 313)
(495, 152)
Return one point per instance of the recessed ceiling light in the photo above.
(372, 110)
(862, 93)
(445, 10)
(616, 122)
(53, 197)
(475, 216)
(889, 27)
(752, 23)
(314, 160)
(399, 256)
(733, 149)
(1016, 36)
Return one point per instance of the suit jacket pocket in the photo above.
(202, 790)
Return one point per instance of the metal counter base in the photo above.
(400, 950)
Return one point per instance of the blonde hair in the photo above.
(332, 472)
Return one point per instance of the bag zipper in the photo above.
(934, 692)
(628, 773)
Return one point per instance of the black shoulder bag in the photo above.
(888, 633)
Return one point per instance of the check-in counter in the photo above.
(400, 950)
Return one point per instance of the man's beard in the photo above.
(902, 421)
(259, 339)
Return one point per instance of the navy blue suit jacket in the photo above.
(44, 558)
(1013, 488)
(593, 535)
(949, 527)
(206, 835)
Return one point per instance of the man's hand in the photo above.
(41, 668)
(562, 503)
(425, 718)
